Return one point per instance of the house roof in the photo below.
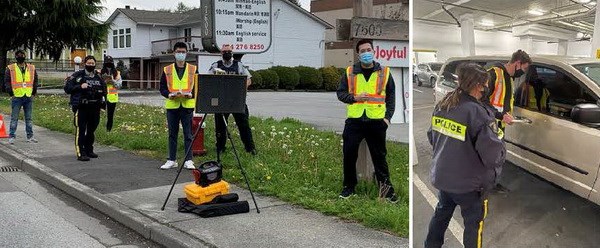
(163, 18)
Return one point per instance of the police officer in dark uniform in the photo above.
(88, 92)
(467, 147)
(232, 66)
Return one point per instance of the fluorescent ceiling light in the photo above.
(583, 1)
(487, 23)
(535, 12)
(592, 3)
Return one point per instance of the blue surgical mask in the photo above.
(180, 56)
(366, 58)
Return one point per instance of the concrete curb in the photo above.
(145, 226)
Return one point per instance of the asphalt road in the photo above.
(535, 213)
(35, 214)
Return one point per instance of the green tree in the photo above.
(49, 26)
(181, 8)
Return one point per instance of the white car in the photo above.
(559, 96)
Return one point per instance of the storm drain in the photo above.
(9, 169)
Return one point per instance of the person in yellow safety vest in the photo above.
(113, 80)
(368, 89)
(21, 82)
(501, 94)
(177, 86)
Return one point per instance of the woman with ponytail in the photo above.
(467, 147)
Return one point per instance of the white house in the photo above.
(144, 40)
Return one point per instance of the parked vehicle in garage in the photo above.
(428, 73)
(559, 95)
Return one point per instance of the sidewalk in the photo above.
(131, 189)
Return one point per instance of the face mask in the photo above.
(180, 56)
(109, 65)
(518, 73)
(366, 58)
(227, 56)
(90, 68)
(20, 60)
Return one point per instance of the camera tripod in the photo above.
(189, 149)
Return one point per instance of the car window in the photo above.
(591, 70)
(436, 67)
(422, 67)
(450, 68)
(551, 91)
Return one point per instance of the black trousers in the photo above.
(86, 120)
(373, 131)
(473, 207)
(110, 114)
(241, 119)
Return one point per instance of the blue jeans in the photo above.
(174, 117)
(16, 104)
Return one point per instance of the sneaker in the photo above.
(189, 164)
(347, 192)
(168, 165)
(83, 158)
(392, 198)
(92, 155)
(32, 140)
(500, 189)
(11, 141)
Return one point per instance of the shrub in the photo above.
(310, 78)
(270, 79)
(257, 82)
(331, 78)
(288, 77)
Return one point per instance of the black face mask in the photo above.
(90, 68)
(20, 60)
(227, 56)
(518, 73)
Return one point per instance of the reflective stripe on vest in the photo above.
(497, 97)
(112, 94)
(185, 85)
(22, 83)
(374, 89)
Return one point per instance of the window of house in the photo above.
(122, 38)
(551, 91)
(187, 33)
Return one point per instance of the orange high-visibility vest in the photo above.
(375, 89)
(497, 97)
(22, 82)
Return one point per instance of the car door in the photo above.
(552, 145)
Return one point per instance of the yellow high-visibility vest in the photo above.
(185, 84)
(112, 94)
(22, 82)
(374, 87)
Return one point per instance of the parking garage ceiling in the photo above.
(491, 15)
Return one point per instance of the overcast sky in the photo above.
(111, 5)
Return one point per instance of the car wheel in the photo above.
(416, 79)
(432, 82)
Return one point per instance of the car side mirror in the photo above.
(586, 113)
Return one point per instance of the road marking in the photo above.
(424, 107)
(455, 228)
(420, 91)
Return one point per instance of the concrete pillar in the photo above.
(467, 34)
(596, 36)
(563, 46)
(527, 44)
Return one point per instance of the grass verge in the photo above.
(296, 163)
